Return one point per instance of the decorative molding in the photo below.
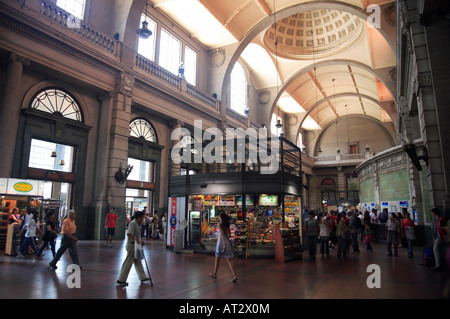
(45, 39)
(264, 97)
(217, 57)
(14, 57)
(390, 15)
(126, 83)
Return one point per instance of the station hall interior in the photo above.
(267, 109)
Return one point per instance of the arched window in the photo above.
(58, 102)
(141, 128)
(238, 89)
(75, 7)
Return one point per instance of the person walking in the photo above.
(50, 234)
(111, 225)
(30, 234)
(343, 234)
(355, 229)
(368, 236)
(408, 232)
(223, 247)
(437, 225)
(325, 230)
(392, 227)
(133, 237)
(68, 241)
(311, 230)
(155, 233)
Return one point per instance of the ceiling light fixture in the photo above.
(338, 150)
(144, 32)
(315, 83)
(279, 125)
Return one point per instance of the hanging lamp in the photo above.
(144, 32)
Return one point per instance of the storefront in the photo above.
(20, 193)
(270, 200)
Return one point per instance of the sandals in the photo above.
(212, 275)
(234, 279)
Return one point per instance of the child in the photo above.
(368, 236)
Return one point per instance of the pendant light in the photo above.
(144, 32)
(279, 125)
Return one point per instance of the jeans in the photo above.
(342, 246)
(66, 243)
(324, 247)
(355, 242)
(45, 244)
(312, 245)
(28, 241)
(392, 239)
(437, 251)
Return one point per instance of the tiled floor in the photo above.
(185, 276)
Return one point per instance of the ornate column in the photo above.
(119, 132)
(10, 111)
(424, 90)
(100, 201)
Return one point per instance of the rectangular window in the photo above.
(75, 7)
(170, 52)
(142, 170)
(190, 65)
(146, 47)
(51, 156)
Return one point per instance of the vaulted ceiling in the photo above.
(326, 57)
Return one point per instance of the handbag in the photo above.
(410, 234)
(138, 251)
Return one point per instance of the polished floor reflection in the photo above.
(185, 276)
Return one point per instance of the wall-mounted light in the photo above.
(62, 163)
(411, 150)
(121, 175)
(53, 154)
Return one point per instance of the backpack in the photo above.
(428, 257)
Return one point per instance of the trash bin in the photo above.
(178, 241)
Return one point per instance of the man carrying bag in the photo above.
(134, 251)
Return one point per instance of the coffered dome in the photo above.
(318, 33)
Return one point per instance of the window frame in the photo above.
(240, 110)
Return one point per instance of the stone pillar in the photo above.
(10, 105)
(174, 168)
(426, 102)
(119, 131)
(100, 203)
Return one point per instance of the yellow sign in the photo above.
(23, 187)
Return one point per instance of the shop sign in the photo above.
(3, 185)
(22, 187)
(404, 203)
(248, 200)
(226, 200)
(173, 219)
(268, 200)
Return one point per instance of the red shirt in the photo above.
(111, 219)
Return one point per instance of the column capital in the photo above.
(14, 57)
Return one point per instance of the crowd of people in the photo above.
(348, 229)
(344, 231)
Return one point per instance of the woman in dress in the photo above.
(223, 248)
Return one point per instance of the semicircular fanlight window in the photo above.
(141, 128)
(57, 102)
